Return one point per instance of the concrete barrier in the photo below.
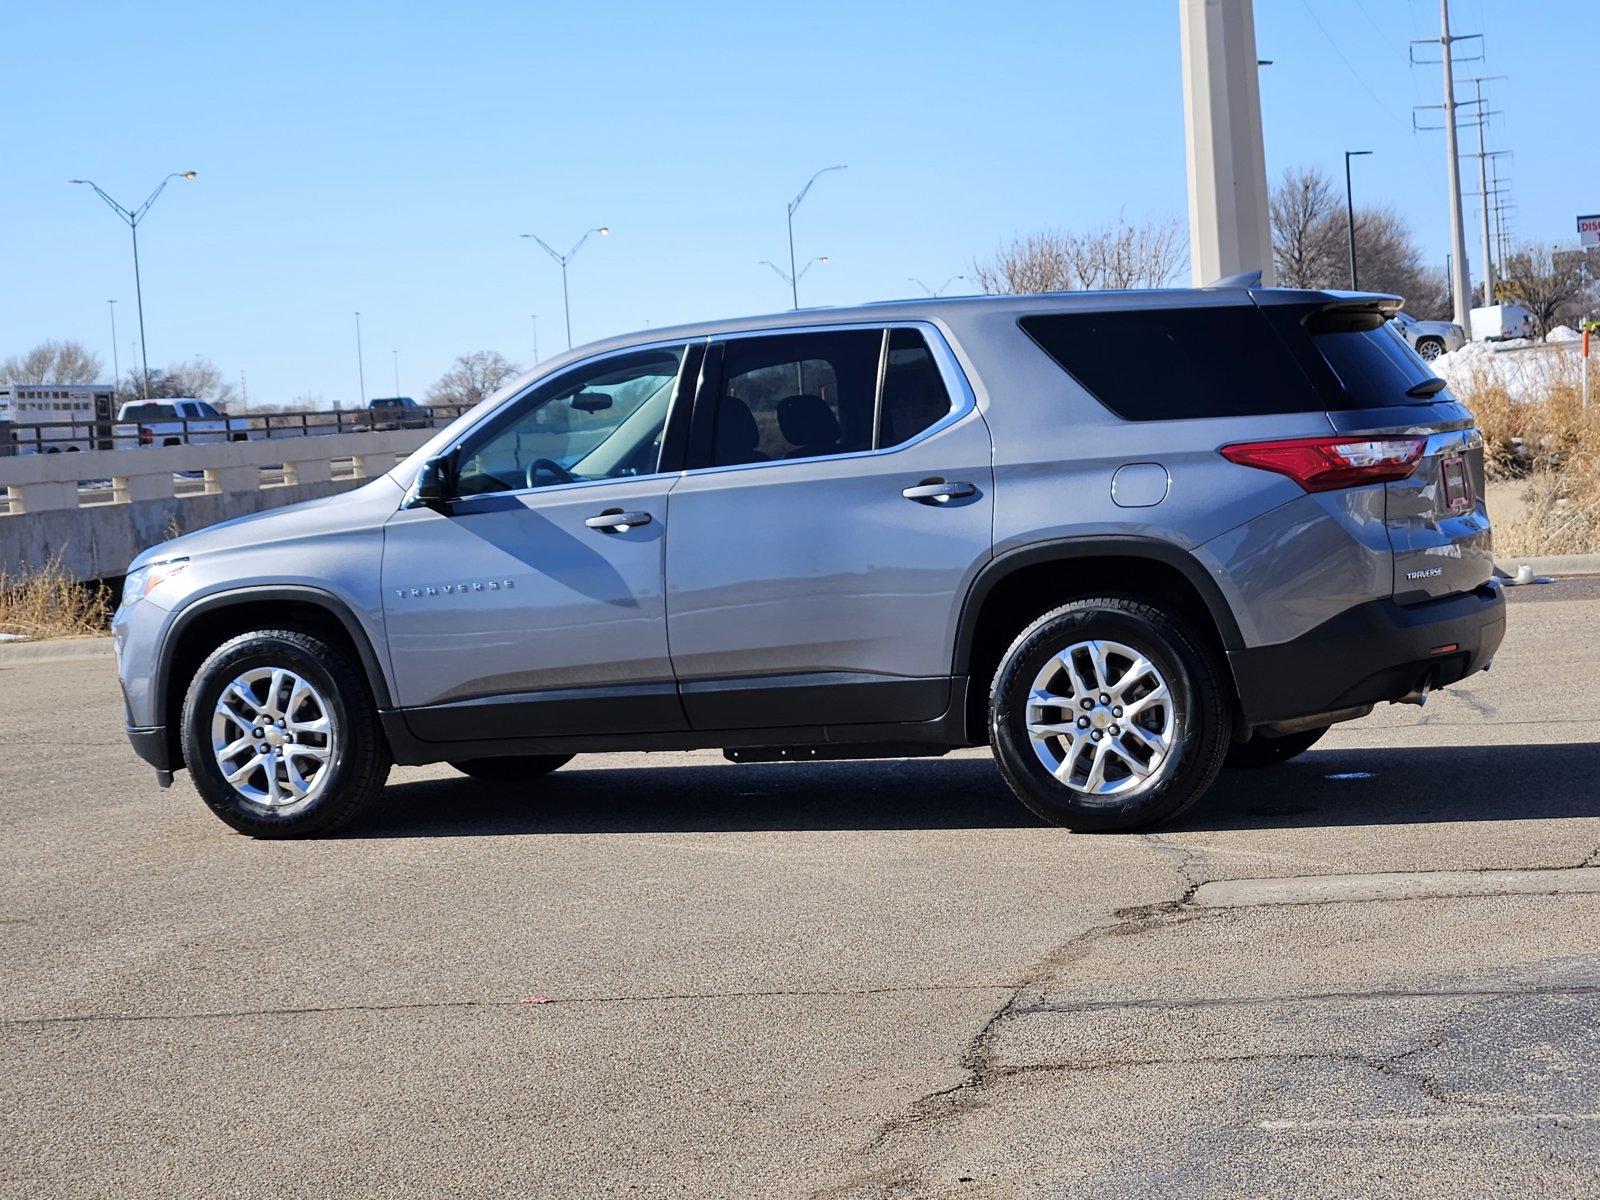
(49, 517)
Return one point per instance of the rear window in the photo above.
(1233, 360)
(1375, 367)
(1177, 363)
(150, 412)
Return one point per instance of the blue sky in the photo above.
(383, 157)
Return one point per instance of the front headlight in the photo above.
(141, 581)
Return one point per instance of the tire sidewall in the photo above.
(222, 667)
(1039, 789)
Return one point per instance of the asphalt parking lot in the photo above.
(666, 975)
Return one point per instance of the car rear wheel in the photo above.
(1108, 714)
(1430, 348)
(512, 768)
(1266, 751)
(281, 735)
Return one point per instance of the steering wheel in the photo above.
(555, 469)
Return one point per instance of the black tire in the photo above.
(359, 761)
(1265, 751)
(512, 768)
(1429, 348)
(1201, 714)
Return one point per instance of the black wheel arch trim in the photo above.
(1106, 546)
(337, 608)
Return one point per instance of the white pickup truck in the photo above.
(177, 422)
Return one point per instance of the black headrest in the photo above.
(807, 421)
(737, 434)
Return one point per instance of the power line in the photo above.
(1377, 99)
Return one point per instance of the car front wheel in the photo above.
(281, 735)
(1108, 714)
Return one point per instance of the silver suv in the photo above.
(1126, 539)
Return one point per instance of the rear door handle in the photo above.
(937, 491)
(614, 520)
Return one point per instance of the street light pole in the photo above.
(116, 363)
(935, 293)
(361, 363)
(132, 217)
(1350, 213)
(534, 317)
(791, 280)
(794, 276)
(564, 259)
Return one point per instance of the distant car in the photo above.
(1430, 338)
(179, 422)
(398, 412)
(1501, 323)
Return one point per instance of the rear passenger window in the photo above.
(797, 396)
(914, 395)
(1176, 363)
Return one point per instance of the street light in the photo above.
(1350, 212)
(564, 259)
(791, 280)
(132, 217)
(116, 364)
(361, 362)
(935, 293)
(794, 276)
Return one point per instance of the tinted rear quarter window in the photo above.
(914, 395)
(1169, 364)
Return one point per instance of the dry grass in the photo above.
(48, 602)
(1545, 440)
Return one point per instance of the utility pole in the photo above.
(1460, 275)
(361, 363)
(116, 365)
(1483, 186)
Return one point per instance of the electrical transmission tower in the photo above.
(1460, 277)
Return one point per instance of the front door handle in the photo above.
(937, 491)
(614, 520)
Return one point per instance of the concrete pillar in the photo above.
(1230, 228)
(315, 470)
(128, 488)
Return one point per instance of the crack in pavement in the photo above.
(408, 1006)
(1260, 1001)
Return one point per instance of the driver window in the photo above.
(603, 421)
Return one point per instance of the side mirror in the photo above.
(433, 483)
(591, 402)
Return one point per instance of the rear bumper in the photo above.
(1369, 654)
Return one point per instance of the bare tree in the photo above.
(472, 377)
(1122, 255)
(1311, 245)
(52, 362)
(198, 379)
(1303, 252)
(1556, 286)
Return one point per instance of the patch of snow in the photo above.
(1527, 370)
(15, 637)
(1563, 333)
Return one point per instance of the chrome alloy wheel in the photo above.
(273, 737)
(1100, 718)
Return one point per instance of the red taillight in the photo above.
(1325, 464)
(146, 438)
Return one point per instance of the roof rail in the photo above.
(1244, 279)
